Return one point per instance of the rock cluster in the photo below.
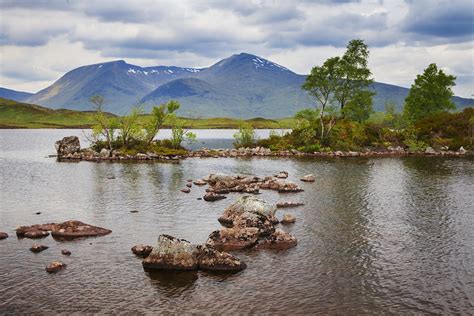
(67, 230)
(178, 254)
(220, 184)
(249, 222)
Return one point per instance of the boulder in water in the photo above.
(308, 178)
(214, 260)
(278, 240)
(3, 235)
(229, 239)
(68, 145)
(185, 190)
(282, 175)
(173, 254)
(142, 250)
(65, 252)
(248, 204)
(76, 229)
(211, 197)
(38, 248)
(55, 266)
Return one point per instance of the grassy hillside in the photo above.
(22, 115)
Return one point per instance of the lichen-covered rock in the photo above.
(55, 266)
(288, 219)
(67, 145)
(3, 235)
(38, 248)
(142, 250)
(76, 229)
(263, 223)
(172, 253)
(228, 239)
(278, 240)
(308, 178)
(211, 197)
(214, 260)
(247, 204)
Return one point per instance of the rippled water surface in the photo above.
(378, 235)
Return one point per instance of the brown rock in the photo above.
(76, 229)
(288, 219)
(65, 252)
(38, 248)
(282, 175)
(189, 184)
(200, 182)
(3, 235)
(288, 204)
(142, 250)
(211, 197)
(214, 260)
(36, 234)
(278, 240)
(55, 266)
(308, 178)
(185, 190)
(229, 239)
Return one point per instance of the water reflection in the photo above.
(172, 283)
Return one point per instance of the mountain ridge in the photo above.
(242, 85)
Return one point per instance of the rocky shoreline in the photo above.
(68, 149)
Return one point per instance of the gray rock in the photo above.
(173, 254)
(104, 153)
(430, 151)
(67, 145)
(462, 151)
(308, 178)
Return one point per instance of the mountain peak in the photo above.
(254, 61)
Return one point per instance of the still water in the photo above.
(378, 235)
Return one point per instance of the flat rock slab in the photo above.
(67, 230)
(288, 204)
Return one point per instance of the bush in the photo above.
(245, 137)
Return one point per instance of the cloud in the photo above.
(40, 40)
(442, 19)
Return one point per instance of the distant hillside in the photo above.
(15, 114)
(241, 86)
(14, 95)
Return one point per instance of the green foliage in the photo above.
(179, 134)
(129, 126)
(353, 71)
(245, 137)
(430, 94)
(157, 119)
(359, 107)
(104, 126)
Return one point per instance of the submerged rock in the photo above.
(200, 182)
(288, 204)
(282, 175)
(3, 235)
(229, 239)
(214, 260)
(211, 197)
(65, 252)
(185, 190)
(308, 178)
(66, 230)
(142, 250)
(76, 229)
(278, 240)
(55, 266)
(172, 253)
(288, 219)
(38, 248)
(67, 145)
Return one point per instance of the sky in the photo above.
(42, 40)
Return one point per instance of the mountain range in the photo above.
(242, 86)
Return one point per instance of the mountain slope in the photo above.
(121, 84)
(242, 85)
(14, 95)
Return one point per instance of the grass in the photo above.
(22, 115)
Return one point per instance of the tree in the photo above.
(129, 127)
(359, 107)
(353, 71)
(179, 133)
(321, 84)
(158, 116)
(105, 126)
(430, 94)
(245, 137)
